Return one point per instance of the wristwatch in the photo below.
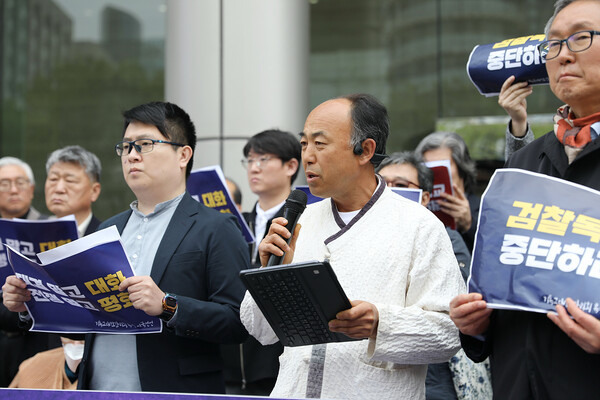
(169, 306)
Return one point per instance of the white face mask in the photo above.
(73, 351)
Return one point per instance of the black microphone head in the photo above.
(296, 200)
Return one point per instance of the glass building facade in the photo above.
(68, 68)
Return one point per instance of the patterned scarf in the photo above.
(573, 133)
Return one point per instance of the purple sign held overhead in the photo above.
(491, 64)
(76, 288)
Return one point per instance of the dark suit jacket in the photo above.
(250, 218)
(258, 362)
(93, 226)
(198, 260)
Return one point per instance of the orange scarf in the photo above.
(573, 133)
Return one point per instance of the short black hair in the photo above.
(171, 120)
(283, 144)
(369, 121)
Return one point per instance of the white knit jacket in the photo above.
(397, 255)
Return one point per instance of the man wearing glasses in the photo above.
(553, 356)
(272, 161)
(186, 258)
(16, 190)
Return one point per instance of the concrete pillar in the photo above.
(237, 67)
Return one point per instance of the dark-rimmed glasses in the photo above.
(579, 41)
(400, 183)
(140, 145)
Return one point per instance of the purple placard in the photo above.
(409, 193)
(36, 394)
(30, 237)
(537, 243)
(207, 186)
(78, 293)
(491, 64)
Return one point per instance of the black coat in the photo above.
(198, 260)
(250, 220)
(531, 358)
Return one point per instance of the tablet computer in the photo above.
(298, 300)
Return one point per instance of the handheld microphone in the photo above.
(293, 207)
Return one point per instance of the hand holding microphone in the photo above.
(274, 246)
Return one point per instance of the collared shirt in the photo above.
(81, 228)
(141, 237)
(260, 223)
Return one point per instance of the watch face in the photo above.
(169, 303)
(170, 300)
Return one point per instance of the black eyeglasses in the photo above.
(141, 146)
(579, 41)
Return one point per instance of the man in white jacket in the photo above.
(390, 252)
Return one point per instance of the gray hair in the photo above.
(558, 7)
(460, 154)
(78, 155)
(6, 161)
(424, 174)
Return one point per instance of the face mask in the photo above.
(73, 351)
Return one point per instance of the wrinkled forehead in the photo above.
(67, 167)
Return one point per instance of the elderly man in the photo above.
(16, 190)
(72, 185)
(389, 252)
(534, 356)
